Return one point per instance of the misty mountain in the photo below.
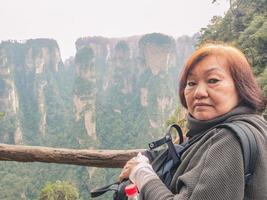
(114, 93)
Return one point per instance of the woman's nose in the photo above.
(201, 91)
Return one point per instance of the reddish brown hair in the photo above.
(248, 90)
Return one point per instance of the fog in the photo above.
(65, 21)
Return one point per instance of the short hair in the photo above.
(248, 90)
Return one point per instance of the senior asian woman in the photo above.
(216, 85)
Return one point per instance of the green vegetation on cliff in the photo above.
(158, 39)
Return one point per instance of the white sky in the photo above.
(67, 20)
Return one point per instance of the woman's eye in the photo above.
(191, 83)
(213, 80)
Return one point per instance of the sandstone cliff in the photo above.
(115, 93)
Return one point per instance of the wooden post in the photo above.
(92, 158)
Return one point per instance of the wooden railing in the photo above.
(92, 158)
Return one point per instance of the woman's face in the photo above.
(210, 90)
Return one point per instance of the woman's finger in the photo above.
(124, 174)
(127, 169)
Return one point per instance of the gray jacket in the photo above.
(212, 168)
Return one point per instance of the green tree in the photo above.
(59, 191)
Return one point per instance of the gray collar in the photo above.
(196, 127)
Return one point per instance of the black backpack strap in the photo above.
(117, 187)
(99, 191)
(167, 138)
(248, 145)
(179, 131)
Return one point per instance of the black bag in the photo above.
(165, 162)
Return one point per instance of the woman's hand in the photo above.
(138, 170)
(128, 168)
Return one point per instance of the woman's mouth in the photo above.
(201, 105)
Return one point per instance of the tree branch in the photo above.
(92, 158)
